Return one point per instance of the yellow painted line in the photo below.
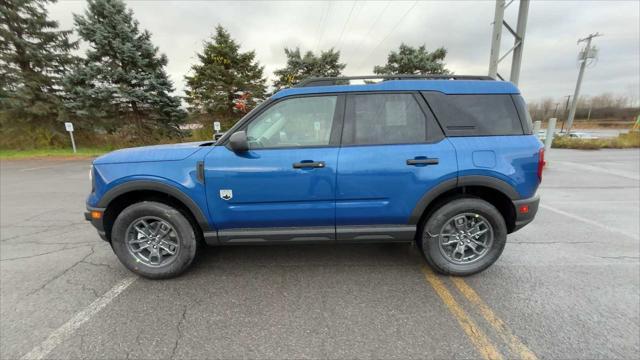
(516, 346)
(475, 334)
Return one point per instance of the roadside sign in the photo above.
(216, 126)
(69, 127)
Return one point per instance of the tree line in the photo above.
(119, 88)
(605, 106)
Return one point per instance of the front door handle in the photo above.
(308, 164)
(422, 161)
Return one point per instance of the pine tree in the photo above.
(34, 55)
(300, 67)
(122, 79)
(410, 60)
(225, 83)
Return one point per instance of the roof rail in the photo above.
(344, 80)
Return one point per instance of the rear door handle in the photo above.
(308, 164)
(423, 161)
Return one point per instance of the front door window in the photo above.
(296, 122)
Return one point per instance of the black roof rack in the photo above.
(344, 80)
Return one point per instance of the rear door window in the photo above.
(384, 119)
(475, 115)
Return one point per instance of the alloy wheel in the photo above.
(465, 238)
(152, 241)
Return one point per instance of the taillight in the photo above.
(540, 163)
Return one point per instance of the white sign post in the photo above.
(69, 127)
(216, 129)
(551, 131)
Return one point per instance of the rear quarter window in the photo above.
(476, 114)
(523, 111)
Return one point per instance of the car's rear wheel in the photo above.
(154, 240)
(464, 236)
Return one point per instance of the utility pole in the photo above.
(518, 43)
(496, 37)
(564, 113)
(587, 53)
(566, 105)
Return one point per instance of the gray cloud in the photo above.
(463, 27)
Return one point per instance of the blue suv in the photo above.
(449, 163)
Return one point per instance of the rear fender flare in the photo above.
(459, 182)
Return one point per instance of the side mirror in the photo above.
(238, 142)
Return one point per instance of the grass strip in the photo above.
(52, 153)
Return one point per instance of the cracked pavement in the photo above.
(566, 288)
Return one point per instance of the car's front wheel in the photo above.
(154, 240)
(464, 237)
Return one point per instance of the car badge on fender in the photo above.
(226, 194)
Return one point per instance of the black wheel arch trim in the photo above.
(138, 185)
(490, 182)
(450, 184)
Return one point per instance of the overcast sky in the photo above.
(365, 32)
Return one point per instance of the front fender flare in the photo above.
(137, 185)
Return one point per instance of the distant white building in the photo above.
(190, 126)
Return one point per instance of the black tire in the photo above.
(440, 217)
(184, 231)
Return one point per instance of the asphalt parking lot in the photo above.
(567, 286)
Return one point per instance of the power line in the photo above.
(356, 50)
(322, 27)
(389, 33)
(321, 23)
(344, 27)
